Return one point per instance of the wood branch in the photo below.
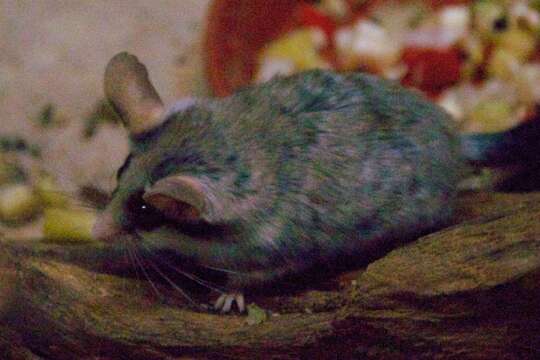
(468, 291)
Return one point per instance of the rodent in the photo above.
(302, 170)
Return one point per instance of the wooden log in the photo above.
(469, 291)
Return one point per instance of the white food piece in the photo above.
(271, 67)
(367, 43)
(395, 72)
(18, 202)
(522, 13)
(449, 101)
(455, 20)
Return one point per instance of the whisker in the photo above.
(141, 265)
(124, 281)
(190, 276)
(131, 259)
(224, 270)
(172, 283)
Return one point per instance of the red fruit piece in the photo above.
(432, 69)
(308, 15)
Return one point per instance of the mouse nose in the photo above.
(105, 228)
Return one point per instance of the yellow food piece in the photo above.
(520, 43)
(491, 116)
(18, 203)
(474, 48)
(49, 193)
(527, 81)
(485, 14)
(503, 64)
(68, 225)
(299, 46)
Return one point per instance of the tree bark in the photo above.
(468, 291)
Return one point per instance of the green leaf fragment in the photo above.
(256, 315)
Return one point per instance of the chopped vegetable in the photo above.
(68, 225)
(102, 113)
(256, 315)
(489, 17)
(473, 51)
(299, 47)
(18, 203)
(46, 116)
(503, 64)
(49, 193)
(310, 16)
(489, 47)
(491, 116)
(528, 81)
(519, 43)
(337, 9)
(456, 19)
(18, 144)
(366, 45)
(432, 69)
(526, 15)
(10, 172)
(271, 67)
(450, 102)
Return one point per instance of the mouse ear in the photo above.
(178, 197)
(129, 90)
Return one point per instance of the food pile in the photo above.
(477, 59)
(31, 198)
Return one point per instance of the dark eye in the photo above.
(142, 215)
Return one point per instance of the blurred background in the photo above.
(53, 54)
(53, 139)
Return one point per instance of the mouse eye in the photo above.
(142, 215)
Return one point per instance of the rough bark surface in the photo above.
(469, 291)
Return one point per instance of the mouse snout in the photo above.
(105, 228)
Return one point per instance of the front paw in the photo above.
(225, 302)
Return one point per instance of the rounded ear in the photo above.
(129, 90)
(178, 197)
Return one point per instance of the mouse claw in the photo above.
(225, 302)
